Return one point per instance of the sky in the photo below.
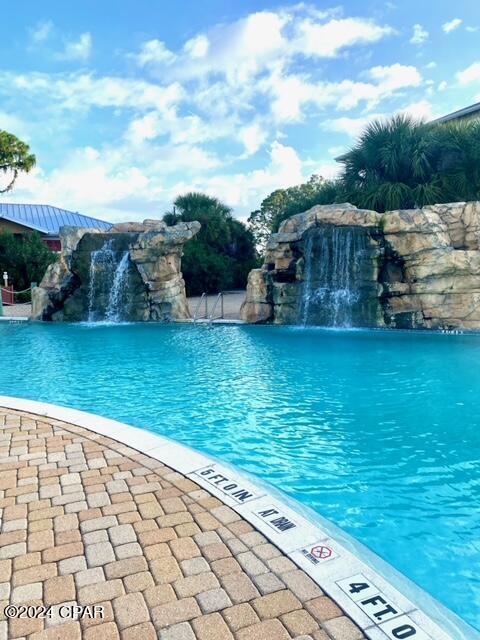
(128, 104)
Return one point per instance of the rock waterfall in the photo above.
(108, 298)
(331, 294)
(131, 273)
(336, 265)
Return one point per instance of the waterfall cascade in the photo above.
(107, 293)
(130, 273)
(333, 257)
(117, 293)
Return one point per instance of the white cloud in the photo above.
(337, 150)
(395, 76)
(422, 110)
(289, 94)
(420, 35)
(329, 170)
(241, 190)
(221, 113)
(353, 127)
(80, 91)
(450, 26)
(252, 137)
(328, 39)
(78, 49)
(197, 47)
(469, 75)
(154, 52)
(442, 86)
(260, 42)
(238, 51)
(116, 183)
(180, 129)
(471, 29)
(292, 93)
(185, 158)
(42, 31)
(86, 183)
(105, 185)
(144, 128)
(13, 124)
(431, 65)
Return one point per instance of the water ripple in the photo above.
(378, 431)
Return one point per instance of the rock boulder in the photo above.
(154, 288)
(425, 269)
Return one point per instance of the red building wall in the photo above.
(53, 244)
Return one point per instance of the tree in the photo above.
(25, 258)
(284, 203)
(459, 160)
(403, 163)
(221, 255)
(15, 157)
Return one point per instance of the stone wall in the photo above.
(426, 271)
(156, 290)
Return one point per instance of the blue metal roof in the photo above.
(47, 219)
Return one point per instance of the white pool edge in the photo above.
(295, 530)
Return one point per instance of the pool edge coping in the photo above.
(284, 522)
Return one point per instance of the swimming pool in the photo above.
(378, 431)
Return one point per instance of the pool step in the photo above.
(14, 320)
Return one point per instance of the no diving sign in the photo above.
(319, 553)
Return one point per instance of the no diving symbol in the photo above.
(321, 553)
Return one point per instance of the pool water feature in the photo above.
(377, 431)
(339, 280)
(330, 285)
(108, 284)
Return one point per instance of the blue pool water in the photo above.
(378, 431)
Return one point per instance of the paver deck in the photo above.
(87, 520)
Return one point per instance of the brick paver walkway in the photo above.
(89, 521)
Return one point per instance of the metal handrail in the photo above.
(219, 297)
(202, 297)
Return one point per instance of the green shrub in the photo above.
(221, 255)
(25, 258)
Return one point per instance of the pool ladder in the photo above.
(199, 304)
(210, 318)
(217, 299)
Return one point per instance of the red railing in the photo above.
(8, 295)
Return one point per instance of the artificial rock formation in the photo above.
(420, 268)
(77, 288)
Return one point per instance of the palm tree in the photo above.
(404, 163)
(459, 144)
(393, 166)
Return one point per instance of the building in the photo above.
(25, 218)
(467, 113)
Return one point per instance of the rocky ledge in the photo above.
(154, 288)
(424, 266)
